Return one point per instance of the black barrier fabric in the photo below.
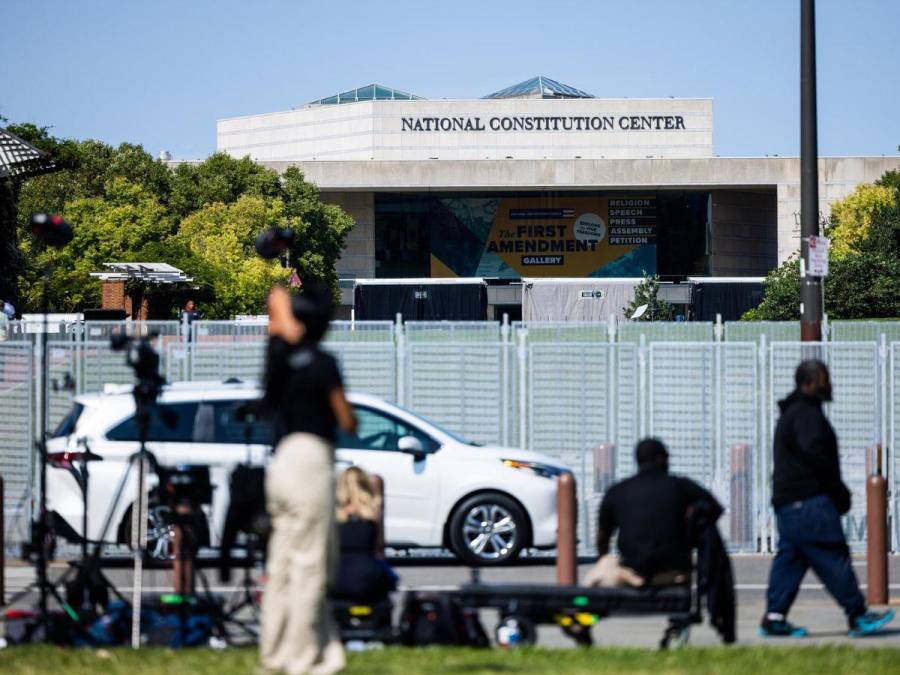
(729, 299)
(421, 302)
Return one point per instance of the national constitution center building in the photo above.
(540, 180)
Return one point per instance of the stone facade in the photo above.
(353, 151)
(838, 176)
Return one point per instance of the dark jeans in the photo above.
(810, 535)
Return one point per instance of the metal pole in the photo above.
(810, 287)
(876, 540)
(378, 488)
(741, 532)
(566, 514)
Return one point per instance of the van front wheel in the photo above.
(488, 529)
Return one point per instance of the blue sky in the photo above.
(160, 72)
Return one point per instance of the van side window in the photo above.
(169, 422)
(379, 431)
(230, 428)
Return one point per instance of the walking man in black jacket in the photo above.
(809, 498)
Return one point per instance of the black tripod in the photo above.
(246, 516)
(55, 232)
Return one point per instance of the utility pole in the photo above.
(810, 287)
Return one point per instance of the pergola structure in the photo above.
(19, 159)
(115, 295)
(151, 273)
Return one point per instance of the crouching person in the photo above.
(363, 574)
(651, 513)
(305, 397)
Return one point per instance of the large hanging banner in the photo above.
(579, 236)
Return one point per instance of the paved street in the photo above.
(814, 608)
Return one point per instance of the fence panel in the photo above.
(367, 367)
(101, 365)
(682, 405)
(360, 331)
(17, 364)
(739, 418)
(666, 331)
(752, 331)
(571, 410)
(855, 412)
(893, 439)
(452, 331)
(98, 331)
(217, 361)
(64, 363)
(864, 331)
(461, 386)
(229, 331)
(565, 331)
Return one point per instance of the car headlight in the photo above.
(542, 470)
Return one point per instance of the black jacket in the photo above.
(806, 455)
(715, 580)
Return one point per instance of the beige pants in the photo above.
(299, 634)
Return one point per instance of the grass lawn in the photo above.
(757, 660)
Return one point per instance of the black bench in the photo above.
(575, 608)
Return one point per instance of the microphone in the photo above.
(51, 229)
(273, 242)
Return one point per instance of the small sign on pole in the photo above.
(818, 256)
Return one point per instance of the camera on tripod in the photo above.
(142, 357)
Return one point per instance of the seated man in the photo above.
(650, 512)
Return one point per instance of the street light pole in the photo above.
(810, 286)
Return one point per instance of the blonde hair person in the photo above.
(356, 496)
(363, 576)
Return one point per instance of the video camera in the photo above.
(142, 357)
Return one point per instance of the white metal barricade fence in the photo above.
(581, 393)
(17, 449)
(857, 372)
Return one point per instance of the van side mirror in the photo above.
(411, 445)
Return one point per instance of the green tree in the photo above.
(201, 217)
(646, 293)
(126, 224)
(864, 261)
(781, 294)
(865, 220)
(220, 179)
(319, 230)
(217, 244)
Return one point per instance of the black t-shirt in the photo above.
(649, 511)
(299, 380)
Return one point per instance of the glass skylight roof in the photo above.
(372, 92)
(540, 87)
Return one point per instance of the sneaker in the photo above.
(780, 628)
(870, 622)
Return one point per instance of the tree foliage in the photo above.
(126, 224)
(218, 243)
(646, 293)
(864, 260)
(201, 217)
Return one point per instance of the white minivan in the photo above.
(486, 504)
